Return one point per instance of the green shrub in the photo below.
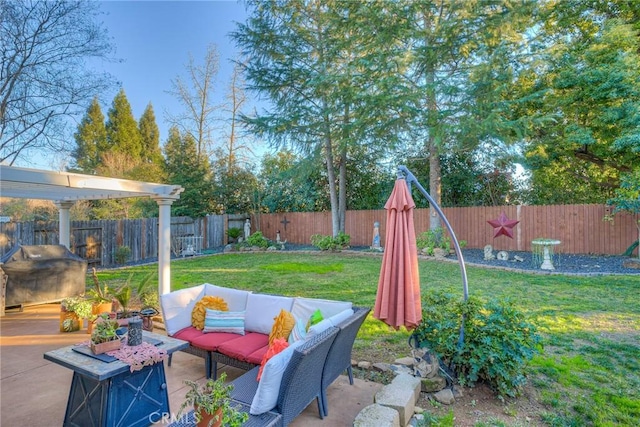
(498, 340)
(329, 243)
(257, 239)
(234, 232)
(122, 254)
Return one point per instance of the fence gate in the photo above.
(86, 242)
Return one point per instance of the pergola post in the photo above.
(64, 222)
(164, 245)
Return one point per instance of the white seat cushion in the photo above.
(303, 308)
(236, 299)
(177, 307)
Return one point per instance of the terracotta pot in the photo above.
(69, 321)
(105, 346)
(96, 309)
(206, 418)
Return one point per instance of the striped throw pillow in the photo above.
(224, 321)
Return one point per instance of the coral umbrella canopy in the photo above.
(398, 297)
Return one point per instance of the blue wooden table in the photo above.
(108, 394)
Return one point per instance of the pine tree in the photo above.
(122, 129)
(91, 139)
(150, 136)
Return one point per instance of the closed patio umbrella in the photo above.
(398, 296)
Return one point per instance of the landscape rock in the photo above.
(381, 367)
(406, 361)
(445, 396)
(430, 385)
(401, 369)
(377, 416)
(364, 365)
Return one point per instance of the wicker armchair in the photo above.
(339, 357)
(301, 380)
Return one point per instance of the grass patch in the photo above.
(589, 373)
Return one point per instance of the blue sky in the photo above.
(154, 39)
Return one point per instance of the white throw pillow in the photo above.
(262, 309)
(236, 299)
(177, 307)
(303, 308)
(266, 396)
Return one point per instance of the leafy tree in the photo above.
(323, 71)
(91, 139)
(291, 184)
(587, 80)
(462, 71)
(123, 135)
(234, 189)
(627, 199)
(185, 168)
(43, 77)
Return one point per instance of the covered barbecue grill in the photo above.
(42, 273)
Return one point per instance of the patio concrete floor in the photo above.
(34, 391)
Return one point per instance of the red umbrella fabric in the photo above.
(398, 298)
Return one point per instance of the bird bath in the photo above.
(543, 252)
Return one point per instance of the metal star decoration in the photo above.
(503, 226)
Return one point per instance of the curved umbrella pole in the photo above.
(404, 172)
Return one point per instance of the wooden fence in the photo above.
(99, 241)
(582, 229)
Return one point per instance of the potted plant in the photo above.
(104, 336)
(101, 298)
(212, 404)
(72, 311)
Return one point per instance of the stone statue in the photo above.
(278, 237)
(503, 256)
(375, 244)
(247, 229)
(488, 253)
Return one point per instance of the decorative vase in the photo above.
(103, 347)
(205, 418)
(135, 331)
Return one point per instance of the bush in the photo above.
(498, 340)
(122, 254)
(429, 240)
(329, 243)
(257, 239)
(234, 232)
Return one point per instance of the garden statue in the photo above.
(503, 256)
(488, 253)
(375, 244)
(247, 229)
(278, 236)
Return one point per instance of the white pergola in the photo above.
(64, 189)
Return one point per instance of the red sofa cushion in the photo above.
(256, 356)
(213, 340)
(242, 347)
(187, 334)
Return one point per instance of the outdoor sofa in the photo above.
(291, 379)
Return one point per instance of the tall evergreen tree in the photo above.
(91, 140)
(185, 168)
(150, 137)
(123, 135)
(327, 68)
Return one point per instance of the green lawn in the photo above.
(589, 373)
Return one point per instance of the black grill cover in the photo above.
(42, 273)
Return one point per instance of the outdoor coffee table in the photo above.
(105, 394)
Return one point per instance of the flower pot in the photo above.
(96, 310)
(105, 346)
(69, 321)
(206, 418)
